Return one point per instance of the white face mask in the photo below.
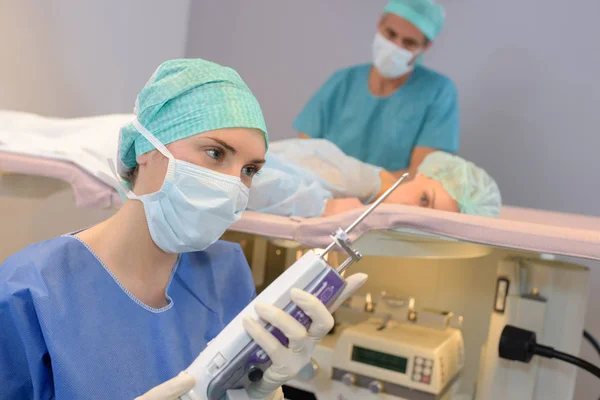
(194, 206)
(390, 60)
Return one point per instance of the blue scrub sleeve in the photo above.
(241, 280)
(313, 118)
(440, 128)
(25, 370)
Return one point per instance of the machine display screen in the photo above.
(377, 359)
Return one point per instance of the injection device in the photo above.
(232, 360)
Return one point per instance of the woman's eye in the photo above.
(250, 171)
(424, 200)
(216, 154)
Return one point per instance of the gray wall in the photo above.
(527, 73)
(528, 78)
(72, 58)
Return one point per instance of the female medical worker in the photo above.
(392, 112)
(120, 309)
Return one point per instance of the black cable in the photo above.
(549, 352)
(592, 341)
(521, 345)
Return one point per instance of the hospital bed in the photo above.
(444, 259)
(517, 228)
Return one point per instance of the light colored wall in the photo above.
(527, 74)
(72, 58)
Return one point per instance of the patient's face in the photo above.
(425, 192)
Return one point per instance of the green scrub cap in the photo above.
(184, 98)
(473, 189)
(426, 15)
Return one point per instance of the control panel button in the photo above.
(418, 361)
(348, 379)
(428, 363)
(418, 369)
(427, 371)
(426, 380)
(376, 387)
(417, 377)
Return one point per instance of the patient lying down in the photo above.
(312, 177)
(422, 191)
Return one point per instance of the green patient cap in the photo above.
(473, 189)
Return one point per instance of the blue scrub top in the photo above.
(69, 330)
(383, 131)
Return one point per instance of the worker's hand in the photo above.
(171, 389)
(288, 361)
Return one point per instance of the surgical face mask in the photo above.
(194, 206)
(390, 60)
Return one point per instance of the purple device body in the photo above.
(327, 287)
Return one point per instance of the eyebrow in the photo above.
(222, 143)
(231, 149)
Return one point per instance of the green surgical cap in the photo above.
(184, 98)
(473, 189)
(426, 15)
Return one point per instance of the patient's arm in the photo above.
(398, 174)
(387, 180)
(337, 206)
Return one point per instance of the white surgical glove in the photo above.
(288, 361)
(171, 389)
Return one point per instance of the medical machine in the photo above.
(232, 360)
(399, 360)
(379, 359)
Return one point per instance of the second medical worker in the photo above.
(394, 112)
